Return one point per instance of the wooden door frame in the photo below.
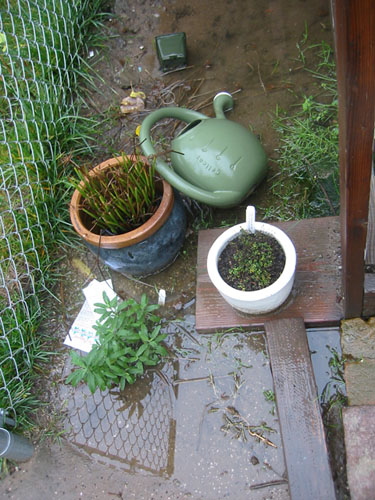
(354, 32)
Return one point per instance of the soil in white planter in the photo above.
(251, 261)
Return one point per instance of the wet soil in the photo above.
(247, 48)
(203, 425)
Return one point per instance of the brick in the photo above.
(360, 382)
(358, 338)
(359, 427)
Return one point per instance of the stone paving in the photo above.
(358, 347)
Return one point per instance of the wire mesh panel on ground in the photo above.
(131, 429)
(37, 45)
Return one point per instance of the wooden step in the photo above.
(302, 430)
(316, 292)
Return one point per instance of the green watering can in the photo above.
(215, 161)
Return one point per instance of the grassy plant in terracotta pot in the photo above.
(127, 215)
(252, 265)
(120, 197)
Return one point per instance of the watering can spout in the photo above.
(223, 101)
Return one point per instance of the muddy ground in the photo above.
(179, 432)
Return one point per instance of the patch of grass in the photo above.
(24, 353)
(307, 184)
(42, 72)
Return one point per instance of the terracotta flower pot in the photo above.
(145, 250)
(258, 301)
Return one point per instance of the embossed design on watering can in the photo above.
(216, 161)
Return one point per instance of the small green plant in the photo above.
(251, 261)
(119, 198)
(334, 392)
(258, 266)
(129, 340)
(269, 395)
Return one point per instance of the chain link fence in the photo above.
(39, 46)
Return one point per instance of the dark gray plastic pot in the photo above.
(152, 254)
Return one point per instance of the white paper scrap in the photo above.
(94, 292)
(82, 334)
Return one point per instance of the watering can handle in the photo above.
(216, 198)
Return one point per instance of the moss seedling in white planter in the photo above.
(267, 295)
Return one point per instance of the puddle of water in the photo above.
(219, 395)
(321, 342)
(189, 420)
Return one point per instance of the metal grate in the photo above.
(133, 430)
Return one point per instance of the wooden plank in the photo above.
(315, 295)
(302, 430)
(354, 24)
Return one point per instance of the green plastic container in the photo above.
(171, 51)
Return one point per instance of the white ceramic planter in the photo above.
(259, 301)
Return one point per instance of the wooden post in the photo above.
(354, 30)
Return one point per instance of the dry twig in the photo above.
(241, 423)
